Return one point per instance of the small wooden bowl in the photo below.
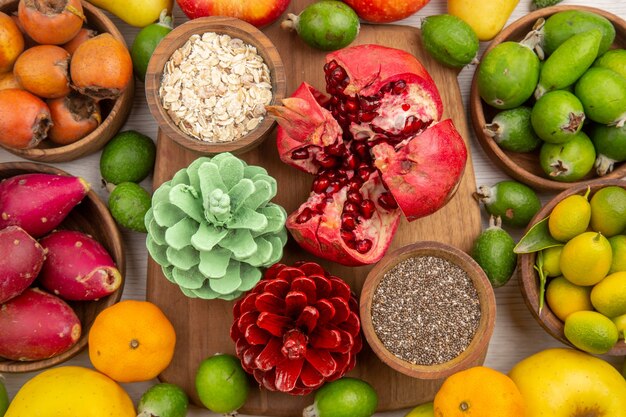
(525, 166)
(92, 217)
(114, 113)
(475, 353)
(222, 25)
(529, 280)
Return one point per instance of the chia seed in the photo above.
(426, 310)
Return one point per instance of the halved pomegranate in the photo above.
(375, 146)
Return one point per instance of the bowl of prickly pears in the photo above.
(70, 75)
(572, 266)
(62, 263)
(548, 99)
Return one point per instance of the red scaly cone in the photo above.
(297, 329)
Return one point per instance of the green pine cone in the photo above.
(212, 227)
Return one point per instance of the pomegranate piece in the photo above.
(376, 146)
(297, 329)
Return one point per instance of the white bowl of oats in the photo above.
(208, 83)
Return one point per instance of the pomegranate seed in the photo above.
(368, 117)
(349, 238)
(386, 88)
(399, 87)
(304, 216)
(387, 201)
(351, 162)
(352, 105)
(406, 107)
(367, 209)
(350, 208)
(320, 207)
(361, 149)
(333, 188)
(363, 246)
(368, 106)
(328, 67)
(338, 74)
(332, 175)
(341, 119)
(355, 197)
(355, 185)
(338, 149)
(320, 185)
(363, 173)
(326, 161)
(348, 221)
(302, 153)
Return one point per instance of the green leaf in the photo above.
(180, 177)
(542, 279)
(192, 171)
(261, 196)
(248, 219)
(231, 280)
(252, 170)
(167, 214)
(240, 243)
(187, 200)
(191, 279)
(183, 259)
(157, 252)
(249, 277)
(536, 239)
(240, 193)
(213, 263)
(179, 235)
(207, 237)
(231, 171)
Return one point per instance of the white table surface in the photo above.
(517, 335)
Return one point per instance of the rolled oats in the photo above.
(215, 88)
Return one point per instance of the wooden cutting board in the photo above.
(202, 326)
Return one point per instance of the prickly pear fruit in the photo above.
(77, 267)
(36, 325)
(39, 202)
(20, 262)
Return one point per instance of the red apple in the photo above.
(257, 12)
(382, 11)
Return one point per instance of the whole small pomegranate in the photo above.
(376, 147)
(24, 119)
(51, 22)
(101, 67)
(73, 117)
(43, 70)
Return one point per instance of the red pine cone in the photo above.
(297, 329)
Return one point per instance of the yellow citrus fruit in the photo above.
(620, 323)
(608, 211)
(591, 331)
(618, 246)
(71, 391)
(565, 298)
(551, 261)
(478, 391)
(131, 341)
(570, 217)
(609, 295)
(423, 410)
(586, 259)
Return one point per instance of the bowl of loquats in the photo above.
(428, 310)
(578, 242)
(44, 317)
(524, 120)
(72, 80)
(208, 82)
